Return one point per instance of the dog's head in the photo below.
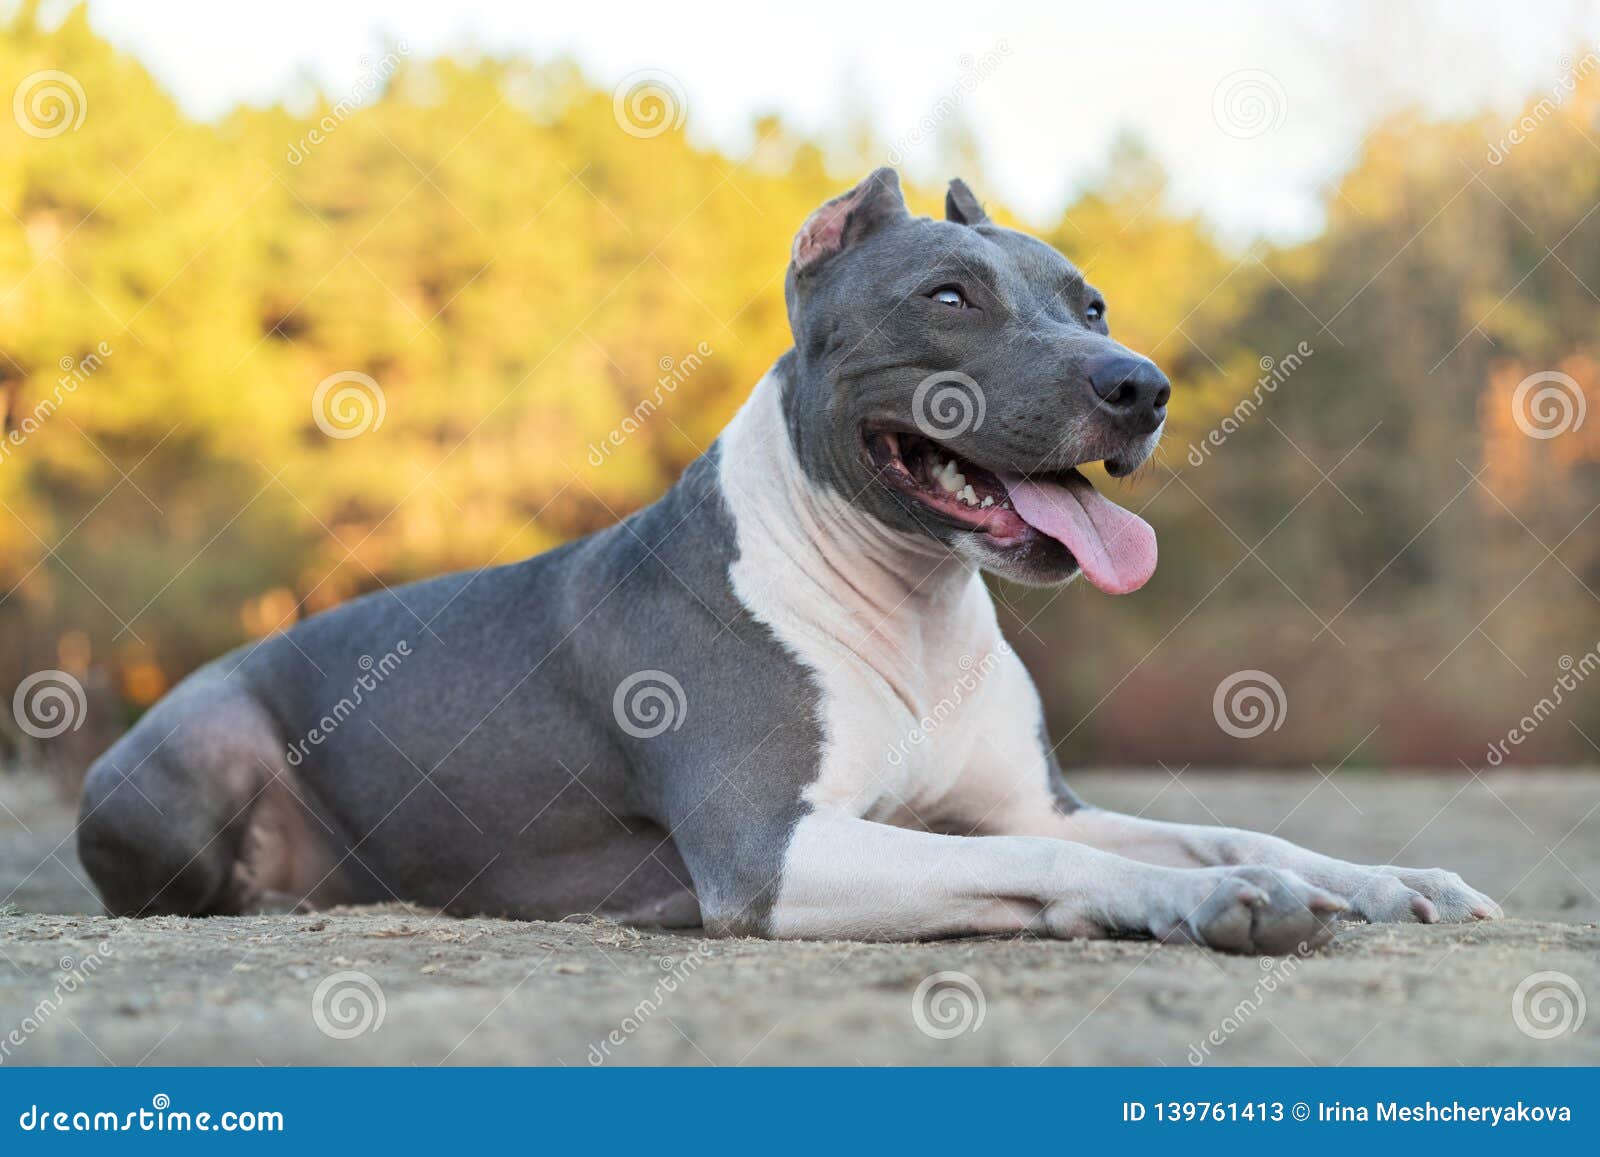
(950, 376)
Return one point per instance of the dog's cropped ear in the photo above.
(962, 207)
(848, 218)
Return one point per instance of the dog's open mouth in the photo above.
(1115, 548)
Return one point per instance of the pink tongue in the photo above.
(1115, 548)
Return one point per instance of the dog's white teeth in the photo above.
(988, 501)
(969, 496)
(950, 478)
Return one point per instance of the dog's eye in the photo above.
(1096, 311)
(950, 296)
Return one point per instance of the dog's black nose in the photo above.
(1132, 388)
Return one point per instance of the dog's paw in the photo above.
(1254, 909)
(1391, 895)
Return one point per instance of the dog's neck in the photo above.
(826, 567)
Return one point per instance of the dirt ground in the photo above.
(396, 986)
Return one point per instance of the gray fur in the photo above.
(487, 772)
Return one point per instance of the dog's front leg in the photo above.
(845, 877)
(1379, 893)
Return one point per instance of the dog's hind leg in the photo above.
(195, 812)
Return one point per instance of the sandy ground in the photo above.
(80, 988)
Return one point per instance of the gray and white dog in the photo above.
(718, 711)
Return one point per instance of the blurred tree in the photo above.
(472, 309)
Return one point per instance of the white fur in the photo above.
(931, 725)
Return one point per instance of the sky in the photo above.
(1252, 107)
